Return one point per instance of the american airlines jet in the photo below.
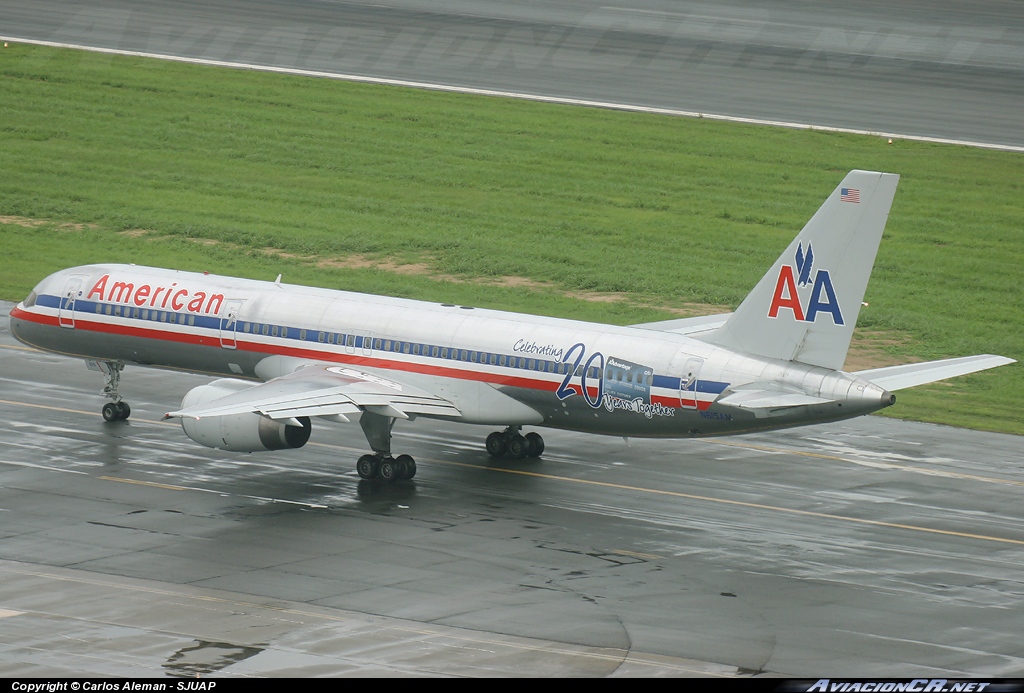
(293, 354)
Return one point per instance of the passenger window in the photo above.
(434, 351)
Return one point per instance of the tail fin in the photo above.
(805, 308)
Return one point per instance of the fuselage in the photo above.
(624, 381)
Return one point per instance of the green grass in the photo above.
(665, 210)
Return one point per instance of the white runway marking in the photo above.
(518, 95)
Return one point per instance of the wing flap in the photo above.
(912, 374)
(323, 390)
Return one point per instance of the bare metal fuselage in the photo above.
(496, 367)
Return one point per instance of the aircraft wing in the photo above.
(687, 326)
(912, 374)
(324, 390)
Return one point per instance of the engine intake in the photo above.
(239, 432)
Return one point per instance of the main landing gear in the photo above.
(116, 409)
(385, 467)
(381, 465)
(517, 446)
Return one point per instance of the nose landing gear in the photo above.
(116, 409)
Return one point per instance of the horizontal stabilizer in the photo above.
(768, 399)
(913, 374)
(688, 326)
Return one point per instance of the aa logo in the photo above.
(822, 296)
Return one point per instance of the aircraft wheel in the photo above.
(518, 447)
(111, 412)
(410, 465)
(368, 467)
(496, 445)
(123, 410)
(536, 444)
(390, 470)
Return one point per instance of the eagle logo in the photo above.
(822, 298)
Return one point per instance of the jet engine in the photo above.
(239, 432)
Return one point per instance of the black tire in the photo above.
(518, 447)
(401, 468)
(390, 470)
(536, 444)
(123, 410)
(496, 444)
(368, 467)
(111, 412)
(410, 466)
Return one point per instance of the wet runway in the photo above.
(918, 67)
(869, 547)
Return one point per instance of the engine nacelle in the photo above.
(239, 432)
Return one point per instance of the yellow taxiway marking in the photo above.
(66, 410)
(637, 554)
(744, 504)
(169, 487)
(19, 347)
(654, 491)
(870, 463)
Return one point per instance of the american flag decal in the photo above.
(849, 195)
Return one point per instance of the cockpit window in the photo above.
(31, 300)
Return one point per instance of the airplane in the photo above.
(293, 354)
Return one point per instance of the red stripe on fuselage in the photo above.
(352, 359)
(278, 350)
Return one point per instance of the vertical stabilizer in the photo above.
(805, 308)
